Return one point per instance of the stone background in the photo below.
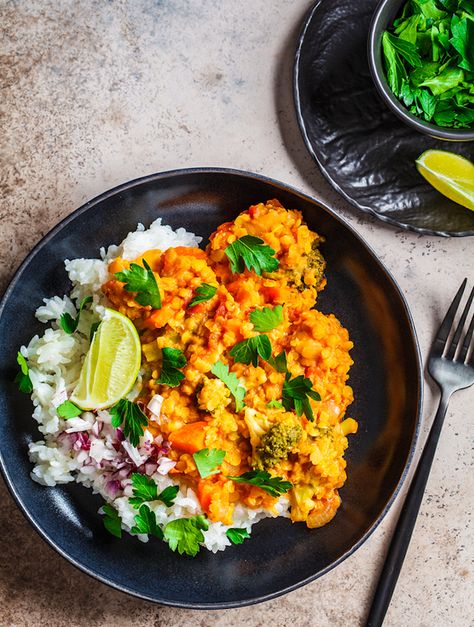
(100, 92)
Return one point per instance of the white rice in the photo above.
(87, 449)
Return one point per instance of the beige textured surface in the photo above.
(97, 93)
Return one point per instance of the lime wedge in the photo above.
(450, 174)
(111, 365)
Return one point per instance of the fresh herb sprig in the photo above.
(252, 253)
(140, 279)
(22, 379)
(131, 418)
(207, 461)
(204, 292)
(145, 522)
(68, 323)
(248, 351)
(111, 520)
(68, 410)
(238, 391)
(237, 535)
(185, 534)
(275, 486)
(266, 319)
(145, 490)
(429, 60)
(296, 394)
(173, 360)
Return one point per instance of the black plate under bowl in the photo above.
(366, 152)
(386, 378)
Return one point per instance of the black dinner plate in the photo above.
(386, 378)
(366, 153)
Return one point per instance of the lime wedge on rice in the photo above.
(111, 365)
(450, 174)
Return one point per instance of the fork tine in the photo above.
(467, 341)
(445, 328)
(457, 334)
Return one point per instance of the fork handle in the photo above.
(406, 521)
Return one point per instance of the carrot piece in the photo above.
(204, 494)
(190, 438)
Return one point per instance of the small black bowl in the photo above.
(384, 15)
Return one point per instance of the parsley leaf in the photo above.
(145, 489)
(266, 319)
(221, 371)
(248, 351)
(279, 362)
(68, 323)
(131, 417)
(274, 404)
(145, 522)
(252, 253)
(23, 377)
(142, 281)
(68, 410)
(185, 534)
(295, 395)
(237, 535)
(208, 460)
(111, 520)
(204, 292)
(173, 359)
(274, 486)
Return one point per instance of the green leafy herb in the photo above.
(279, 362)
(275, 486)
(204, 292)
(145, 489)
(252, 253)
(145, 522)
(185, 534)
(296, 394)
(111, 520)
(248, 351)
(68, 410)
(221, 371)
(23, 377)
(274, 404)
(173, 359)
(237, 535)
(68, 323)
(208, 460)
(429, 60)
(131, 418)
(142, 281)
(267, 318)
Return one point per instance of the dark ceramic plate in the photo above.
(362, 148)
(386, 379)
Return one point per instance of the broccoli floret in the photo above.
(277, 444)
(310, 268)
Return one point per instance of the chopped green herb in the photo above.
(203, 293)
(252, 253)
(68, 323)
(94, 327)
(429, 60)
(111, 520)
(221, 371)
(296, 394)
(279, 362)
(185, 534)
(23, 377)
(173, 359)
(145, 522)
(248, 351)
(275, 486)
(142, 281)
(237, 535)
(68, 410)
(267, 318)
(145, 489)
(208, 460)
(273, 404)
(131, 418)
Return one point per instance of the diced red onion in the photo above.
(165, 464)
(154, 407)
(133, 453)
